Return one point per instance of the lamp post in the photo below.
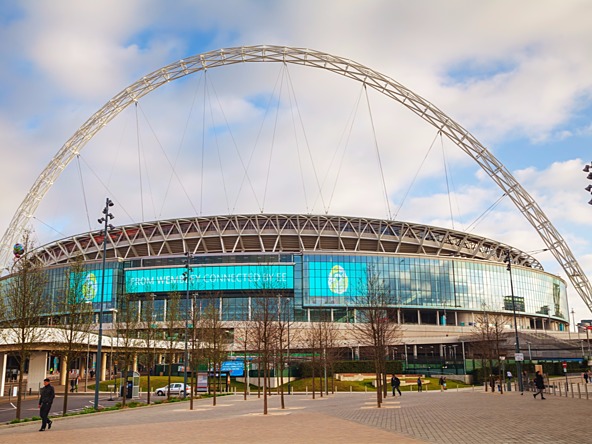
(186, 358)
(587, 169)
(288, 357)
(107, 216)
(508, 260)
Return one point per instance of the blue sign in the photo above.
(236, 368)
(211, 278)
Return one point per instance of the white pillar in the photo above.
(63, 370)
(3, 361)
(103, 366)
(37, 370)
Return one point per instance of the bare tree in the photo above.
(171, 332)
(244, 339)
(488, 339)
(148, 335)
(265, 315)
(74, 305)
(127, 330)
(24, 303)
(214, 337)
(283, 341)
(377, 327)
(196, 350)
(329, 336)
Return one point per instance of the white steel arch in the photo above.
(311, 58)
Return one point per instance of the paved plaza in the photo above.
(464, 416)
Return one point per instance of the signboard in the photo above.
(210, 278)
(87, 284)
(236, 368)
(519, 356)
(336, 279)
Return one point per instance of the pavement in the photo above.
(464, 416)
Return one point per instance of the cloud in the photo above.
(504, 77)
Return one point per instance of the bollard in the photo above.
(586, 389)
(572, 391)
(579, 392)
(350, 389)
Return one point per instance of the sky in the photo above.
(269, 137)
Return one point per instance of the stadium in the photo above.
(442, 281)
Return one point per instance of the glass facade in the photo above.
(318, 282)
(435, 283)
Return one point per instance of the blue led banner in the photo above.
(211, 278)
(337, 279)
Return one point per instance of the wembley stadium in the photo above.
(438, 276)
(441, 281)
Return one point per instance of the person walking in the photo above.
(539, 384)
(396, 383)
(585, 375)
(46, 396)
(419, 389)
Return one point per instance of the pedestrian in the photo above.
(396, 383)
(419, 384)
(444, 379)
(540, 385)
(72, 385)
(441, 382)
(509, 375)
(585, 375)
(46, 395)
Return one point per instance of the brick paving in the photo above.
(464, 416)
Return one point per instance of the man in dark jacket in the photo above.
(539, 384)
(396, 382)
(46, 395)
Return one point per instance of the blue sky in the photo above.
(517, 75)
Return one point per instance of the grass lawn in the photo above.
(299, 385)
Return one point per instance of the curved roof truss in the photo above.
(279, 233)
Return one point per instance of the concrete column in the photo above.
(103, 366)
(3, 361)
(438, 317)
(418, 316)
(135, 363)
(82, 370)
(63, 370)
(415, 350)
(37, 370)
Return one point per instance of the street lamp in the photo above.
(186, 358)
(107, 216)
(508, 260)
(589, 177)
